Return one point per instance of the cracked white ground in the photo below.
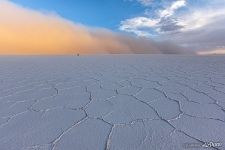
(129, 102)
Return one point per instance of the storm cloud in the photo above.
(209, 39)
(196, 28)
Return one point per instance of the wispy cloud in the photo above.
(145, 2)
(172, 8)
(26, 31)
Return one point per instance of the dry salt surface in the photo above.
(118, 102)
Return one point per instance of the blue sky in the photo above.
(101, 13)
(98, 13)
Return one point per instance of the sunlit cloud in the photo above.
(213, 52)
(135, 25)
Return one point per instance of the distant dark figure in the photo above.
(78, 54)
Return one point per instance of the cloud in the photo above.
(199, 27)
(199, 18)
(203, 39)
(138, 25)
(142, 2)
(213, 52)
(162, 22)
(169, 25)
(145, 2)
(26, 31)
(168, 20)
(204, 35)
(171, 9)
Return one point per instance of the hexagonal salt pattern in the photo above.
(117, 102)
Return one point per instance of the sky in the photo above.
(112, 26)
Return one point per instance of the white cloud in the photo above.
(145, 2)
(171, 10)
(168, 21)
(140, 22)
(138, 25)
(200, 17)
(135, 25)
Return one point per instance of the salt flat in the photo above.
(119, 102)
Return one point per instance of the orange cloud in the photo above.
(212, 52)
(26, 31)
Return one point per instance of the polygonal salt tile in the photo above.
(33, 128)
(206, 130)
(102, 94)
(129, 90)
(16, 108)
(99, 108)
(33, 94)
(141, 135)
(167, 109)
(203, 110)
(91, 134)
(150, 95)
(144, 83)
(197, 96)
(126, 109)
(68, 99)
